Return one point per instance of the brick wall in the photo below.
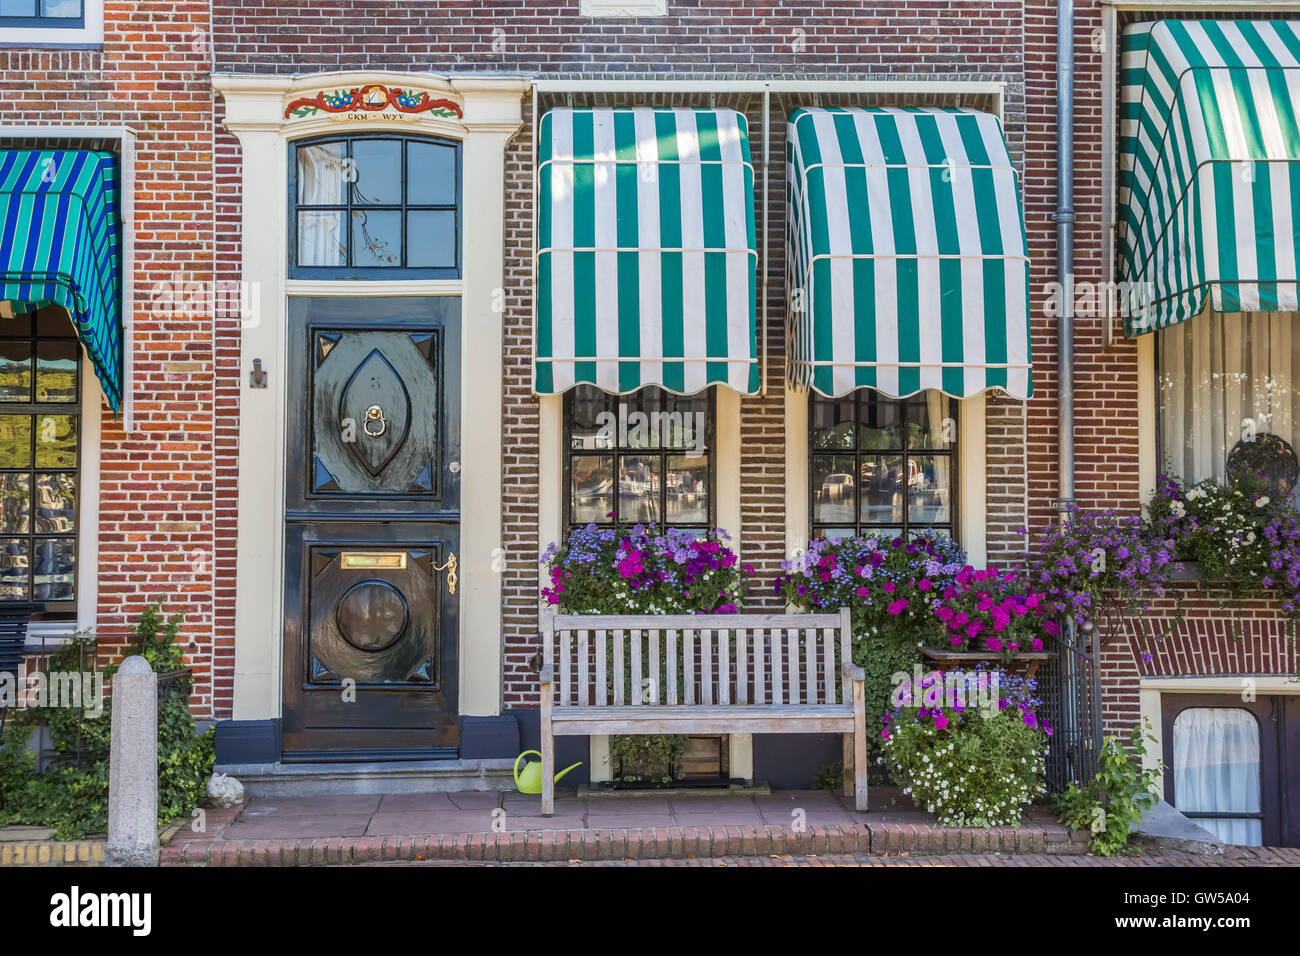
(156, 487)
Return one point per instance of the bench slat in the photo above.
(583, 682)
(778, 671)
(828, 666)
(671, 636)
(636, 665)
(602, 690)
(760, 667)
(724, 667)
(688, 667)
(792, 662)
(742, 666)
(618, 667)
(653, 666)
(566, 642)
(810, 667)
(706, 666)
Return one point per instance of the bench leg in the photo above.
(859, 748)
(548, 756)
(847, 772)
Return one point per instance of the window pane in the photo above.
(926, 415)
(834, 533)
(1216, 768)
(430, 174)
(323, 171)
(378, 172)
(638, 489)
(52, 574)
(321, 241)
(591, 484)
(56, 441)
(832, 423)
(591, 425)
(61, 8)
(929, 489)
(56, 370)
(15, 371)
(15, 441)
(15, 503)
(688, 489)
(880, 427)
(431, 239)
(56, 503)
(17, 8)
(882, 489)
(13, 569)
(376, 238)
(833, 486)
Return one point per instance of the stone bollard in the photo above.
(133, 767)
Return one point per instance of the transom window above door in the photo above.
(375, 207)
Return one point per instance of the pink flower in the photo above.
(940, 722)
(898, 607)
(1037, 643)
(1051, 627)
(864, 592)
(993, 644)
(889, 587)
(924, 584)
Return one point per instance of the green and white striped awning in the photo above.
(1209, 183)
(906, 261)
(645, 251)
(60, 244)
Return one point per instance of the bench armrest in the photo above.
(545, 674)
(853, 671)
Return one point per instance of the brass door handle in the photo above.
(450, 567)
(374, 414)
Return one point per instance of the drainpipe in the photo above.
(1064, 219)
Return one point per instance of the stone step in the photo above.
(410, 776)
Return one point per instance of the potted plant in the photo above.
(991, 615)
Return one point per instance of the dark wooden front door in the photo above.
(372, 514)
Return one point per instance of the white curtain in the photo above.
(321, 237)
(1216, 770)
(1217, 372)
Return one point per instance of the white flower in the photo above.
(1178, 508)
(1261, 501)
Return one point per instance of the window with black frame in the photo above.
(40, 458)
(371, 206)
(54, 14)
(880, 465)
(638, 458)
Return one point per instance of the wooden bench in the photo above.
(701, 674)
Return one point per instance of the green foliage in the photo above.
(72, 797)
(829, 776)
(1116, 796)
(880, 656)
(648, 758)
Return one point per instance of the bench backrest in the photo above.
(696, 659)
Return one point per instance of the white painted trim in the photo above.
(1149, 707)
(345, 287)
(125, 136)
(623, 8)
(727, 451)
(972, 479)
(798, 526)
(91, 34)
(255, 107)
(1148, 410)
(92, 411)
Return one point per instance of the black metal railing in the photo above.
(1070, 686)
(56, 692)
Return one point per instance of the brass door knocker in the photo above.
(374, 414)
(450, 567)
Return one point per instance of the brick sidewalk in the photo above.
(508, 827)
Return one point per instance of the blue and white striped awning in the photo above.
(646, 259)
(60, 244)
(906, 261)
(1209, 169)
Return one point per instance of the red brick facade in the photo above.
(168, 499)
(156, 485)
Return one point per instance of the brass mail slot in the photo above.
(386, 560)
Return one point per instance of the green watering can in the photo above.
(530, 781)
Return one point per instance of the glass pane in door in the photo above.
(1217, 770)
